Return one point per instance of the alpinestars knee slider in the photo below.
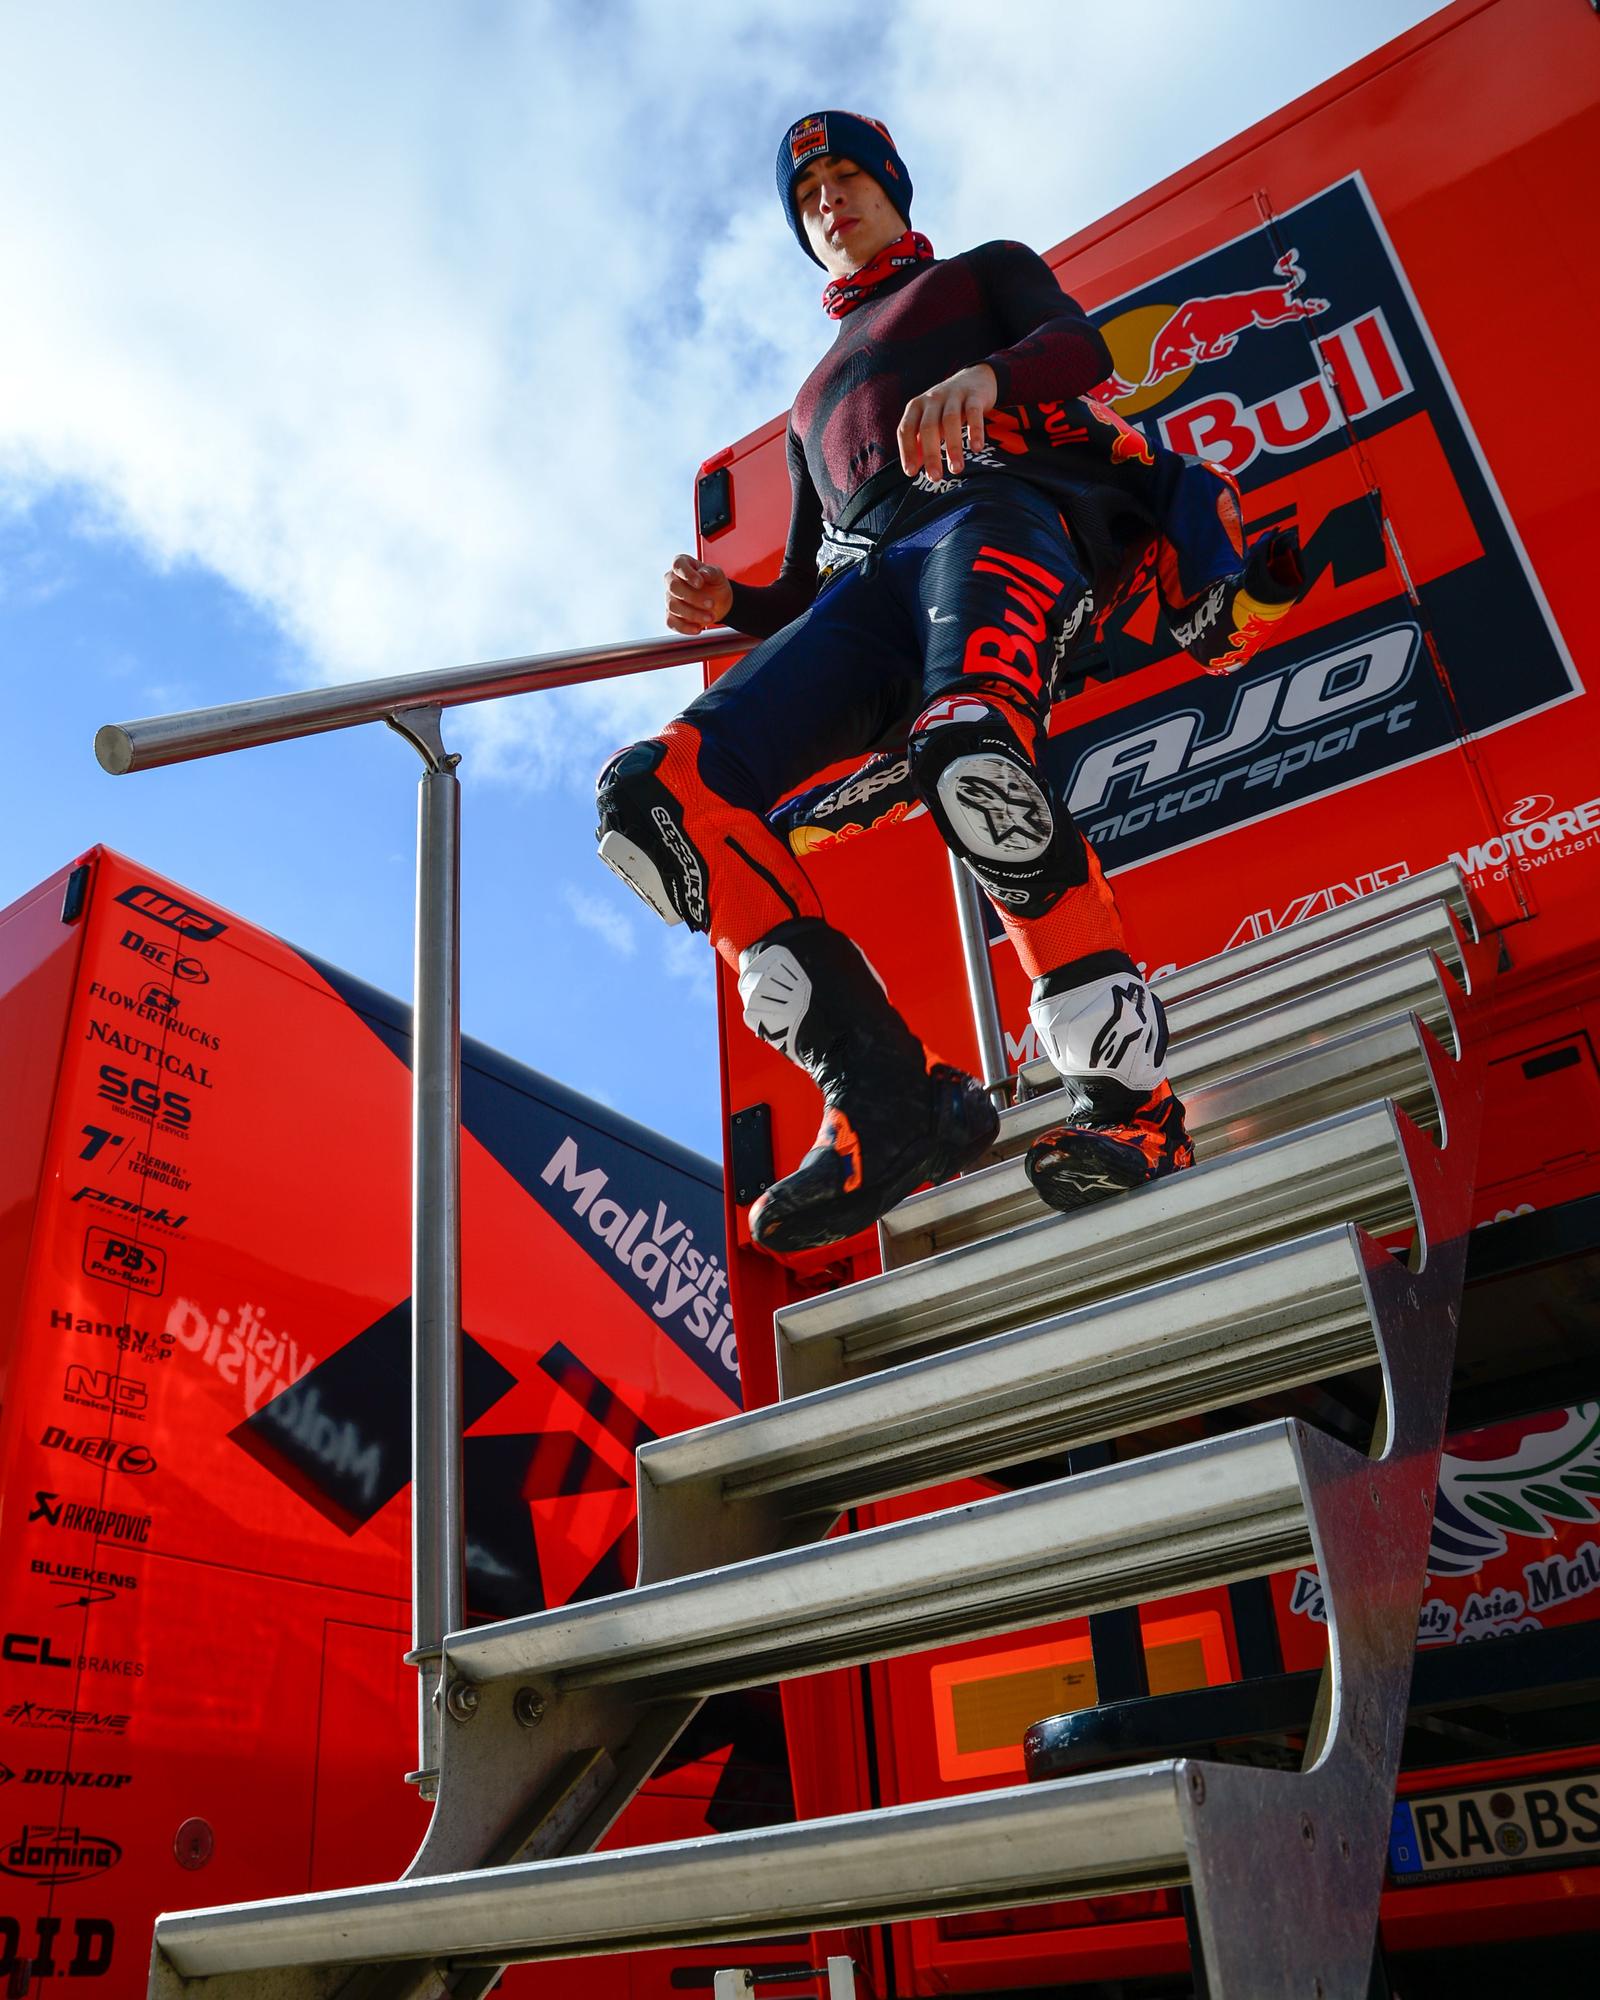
(993, 807)
(642, 838)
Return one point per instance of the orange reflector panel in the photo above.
(983, 1707)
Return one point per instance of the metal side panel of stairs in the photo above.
(1334, 1087)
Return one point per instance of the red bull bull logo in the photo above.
(1201, 329)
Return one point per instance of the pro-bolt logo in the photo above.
(1282, 356)
(55, 1856)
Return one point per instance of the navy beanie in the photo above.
(846, 137)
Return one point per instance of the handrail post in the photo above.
(980, 978)
(437, 1525)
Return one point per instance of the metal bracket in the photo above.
(421, 729)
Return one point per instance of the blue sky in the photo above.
(341, 340)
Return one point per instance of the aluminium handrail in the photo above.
(241, 725)
(412, 705)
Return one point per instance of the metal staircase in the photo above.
(1331, 1079)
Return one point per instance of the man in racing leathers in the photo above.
(963, 510)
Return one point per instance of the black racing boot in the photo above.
(890, 1121)
(1105, 1032)
(1112, 1139)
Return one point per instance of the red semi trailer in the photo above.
(1375, 308)
(205, 1379)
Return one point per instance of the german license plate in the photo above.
(1522, 1824)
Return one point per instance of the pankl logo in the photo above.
(199, 926)
(55, 1856)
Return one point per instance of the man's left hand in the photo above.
(930, 431)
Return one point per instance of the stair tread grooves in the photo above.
(1426, 928)
(1434, 888)
(1213, 1489)
(1008, 1845)
(1410, 983)
(1110, 1344)
(1363, 1142)
(1372, 1048)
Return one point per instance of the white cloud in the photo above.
(413, 322)
(606, 921)
(687, 956)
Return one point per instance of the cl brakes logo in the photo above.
(199, 926)
(1169, 768)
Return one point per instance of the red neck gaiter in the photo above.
(843, 295)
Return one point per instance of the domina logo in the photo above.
(57, 1855)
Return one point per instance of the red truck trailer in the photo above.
(205, 1379)
(1374, 308)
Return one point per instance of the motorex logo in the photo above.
(1296, 356)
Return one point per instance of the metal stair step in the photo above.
(1434, 888)
(1080, 1836)
(1389, 1060)
(1413, 983)
(1345, 1169)
(1197, 1343)
(1197, 998)
(1201, 1514)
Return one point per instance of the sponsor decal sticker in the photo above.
(157, 907)
(56, 1947)
(133, 1459)
(59, 1778)
(57, 1855)
(42, 1715)
(654, 1257)
(107, 1524)
(144, 1342)
(1282, 355)
(118, 1260)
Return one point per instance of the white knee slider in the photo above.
(995, 808)
(1113, 1027)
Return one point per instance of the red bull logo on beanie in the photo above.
(1295, 358)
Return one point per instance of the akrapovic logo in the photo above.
(199, 926)
(1177, 765)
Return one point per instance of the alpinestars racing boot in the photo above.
(1107, 1038)
(890, 1122)
(1112, 1140)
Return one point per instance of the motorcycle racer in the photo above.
(963, 512)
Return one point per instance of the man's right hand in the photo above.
(699, 595)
